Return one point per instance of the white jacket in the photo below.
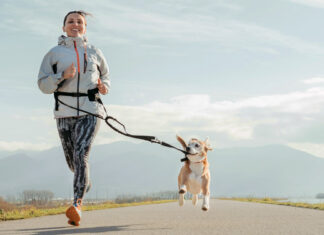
(61, 57)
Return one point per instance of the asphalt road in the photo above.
(224, 217)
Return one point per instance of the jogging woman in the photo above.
(75, 72)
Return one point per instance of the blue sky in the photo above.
(244, 73)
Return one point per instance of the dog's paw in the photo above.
(182, 191)
(205, 208)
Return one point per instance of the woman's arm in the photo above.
(47, 79)
(104, 73)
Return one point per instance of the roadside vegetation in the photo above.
(278, 201)
(36, 208)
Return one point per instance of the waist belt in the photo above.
(92, 94)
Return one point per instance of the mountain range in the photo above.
(123, 168)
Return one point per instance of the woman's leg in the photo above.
(65, 127)
(85, 131)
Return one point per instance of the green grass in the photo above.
(276, 201)
(29, 212)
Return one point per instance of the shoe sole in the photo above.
(73, 215)
(73, 223)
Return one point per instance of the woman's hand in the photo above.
(102, 88)
(69, 72)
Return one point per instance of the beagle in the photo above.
(194, 176)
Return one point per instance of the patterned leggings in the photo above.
(77, 135)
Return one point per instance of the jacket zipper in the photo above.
(78, 61)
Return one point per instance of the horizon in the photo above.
(234, 172)
(4, 153)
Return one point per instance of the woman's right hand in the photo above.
(69, 72)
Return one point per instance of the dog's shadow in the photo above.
(72, 230)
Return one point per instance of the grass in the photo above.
(277, 201)
(31, 211)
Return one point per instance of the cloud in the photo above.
(194, 26)
(156, 25)
(311, 3)
(314, 80)
(311, 148)
(21, 145)
(102, 138)
(24, 17)
(269, 118)
(272, 119)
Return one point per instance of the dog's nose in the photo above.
(188, 149)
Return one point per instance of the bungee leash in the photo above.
(94, 96)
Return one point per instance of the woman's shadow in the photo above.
(72, 230)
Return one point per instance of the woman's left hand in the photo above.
(102, 88)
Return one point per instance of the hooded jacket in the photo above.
(74, 50)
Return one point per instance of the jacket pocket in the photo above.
(92, 68)
(90, 77)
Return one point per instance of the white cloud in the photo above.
(277, 118)
(190, 27)
(102, 138)
(311, 3)
(314, 80)
(24, 17)
(44, 119)
(311, 148)
(167, 118)
(236, 119)
(301, 102)
(20, 145)
(156, 24)
(196, 24)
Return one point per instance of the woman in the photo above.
(71, 71)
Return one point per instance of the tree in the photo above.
(37, 197)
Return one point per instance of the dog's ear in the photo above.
(207, 145)
(182, 142)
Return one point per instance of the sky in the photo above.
(244, 73)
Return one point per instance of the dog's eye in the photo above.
(197, 145)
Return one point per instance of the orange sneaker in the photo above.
(74, 213)
(73, 223)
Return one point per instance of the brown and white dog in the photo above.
(194, 176)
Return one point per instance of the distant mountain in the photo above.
(267, 171)
(127, 168)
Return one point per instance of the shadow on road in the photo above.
(71, 230)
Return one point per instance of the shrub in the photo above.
(5, 206)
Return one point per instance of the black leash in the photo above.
(151, 139)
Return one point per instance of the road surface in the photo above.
(224, 217)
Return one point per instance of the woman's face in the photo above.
(74, 25)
